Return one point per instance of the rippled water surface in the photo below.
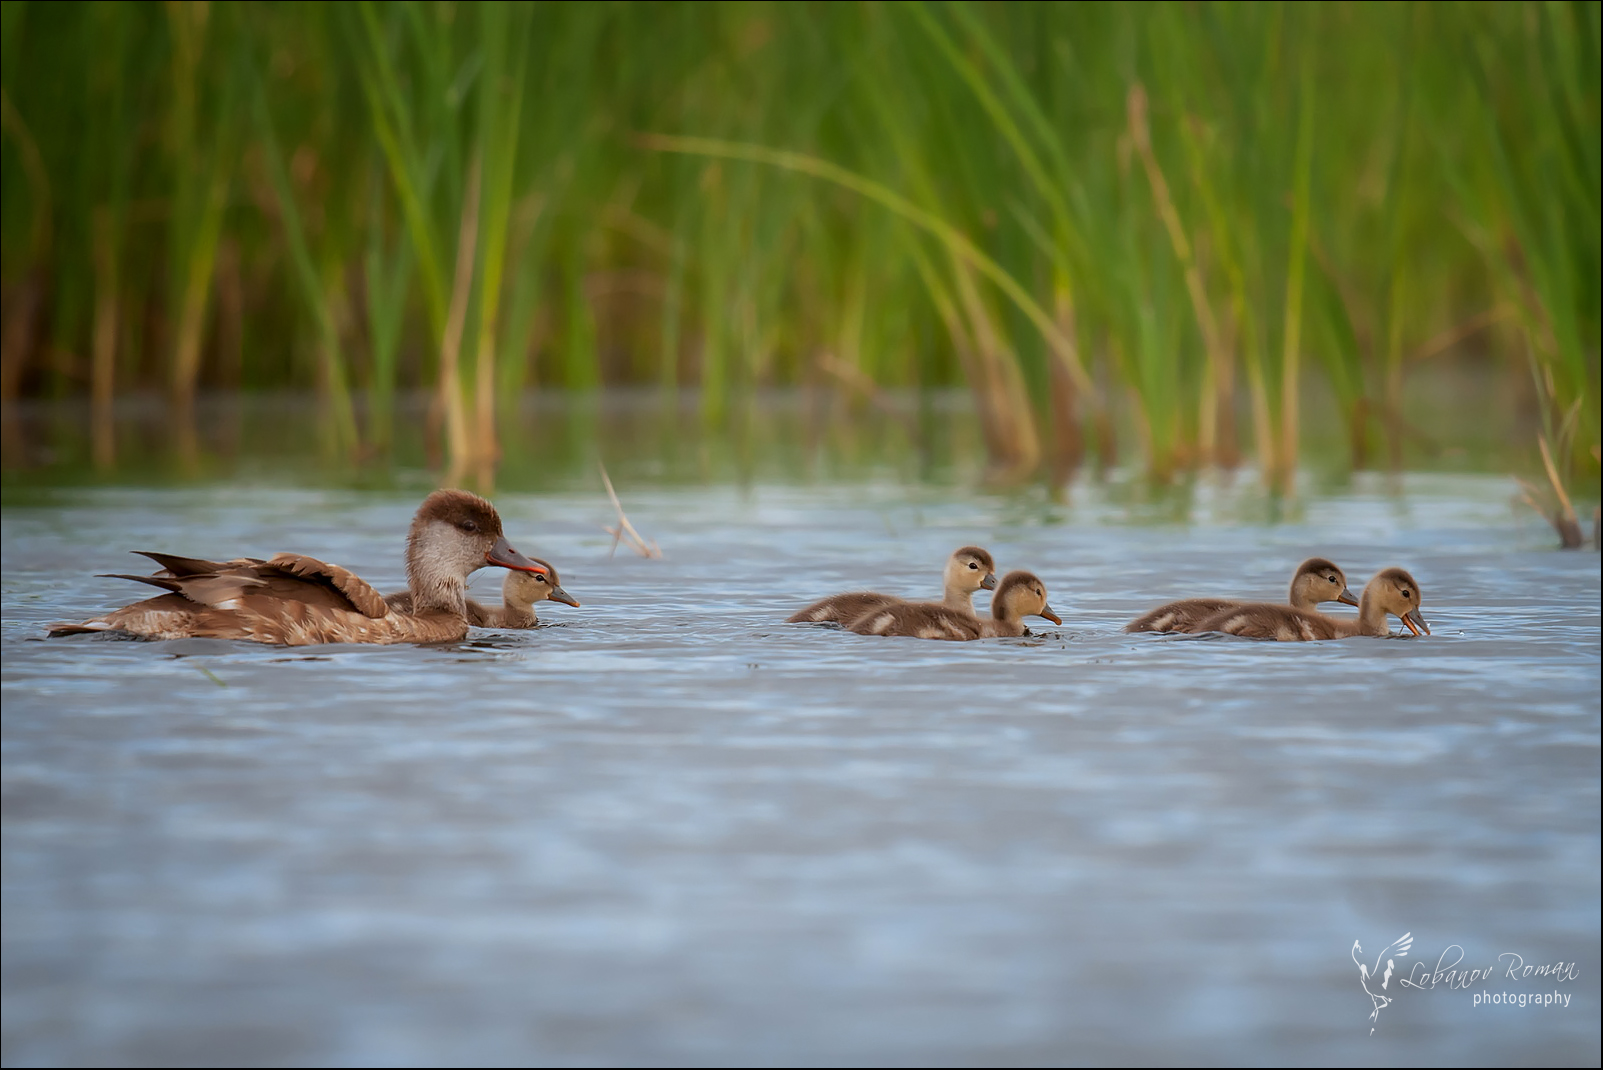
(666, 828)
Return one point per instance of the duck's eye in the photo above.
(972, 565)
(1407, 593)
(469, 525)
(1332, 579)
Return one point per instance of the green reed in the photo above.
(1169, 216)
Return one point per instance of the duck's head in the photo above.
(521, 590)
(453, 535)
(1396, 592)
(1318, 580)
(1021, 594)
(971, 569)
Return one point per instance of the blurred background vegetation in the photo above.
(1166, 218)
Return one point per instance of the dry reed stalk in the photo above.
(1015, 421)
(1558, 510)
(625, 530)
(1453, 335)
(1208, 412)
(458, 448)
(103, 369)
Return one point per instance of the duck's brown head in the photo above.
(453, 535)
(970, 569)
(521, 590)
(1318, 580)
(1396, 592)
(1021, 594)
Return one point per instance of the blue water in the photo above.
(666, 828)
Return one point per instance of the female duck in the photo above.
(519, 592)
(1019, 595)
(295, 600)
(1316, 580)
(969, 569)
(1392, 592)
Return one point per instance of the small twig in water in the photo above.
(213, 677)
(624, 528)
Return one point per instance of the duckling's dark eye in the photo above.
(972, 565)
(468, 525)
(1332, 579)
(1407, 593)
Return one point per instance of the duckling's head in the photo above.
(1318, 580)
(971, 569)
(521, 590)
(453, 535)
(1396, 592)
(1021, 594)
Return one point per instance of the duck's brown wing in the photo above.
(285, 572)
(285, 577)
(841, 608)
(194, 566)
(1182, 616)
(916, 620)
(1268, 620)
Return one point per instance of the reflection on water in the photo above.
(668, 828)
(1461, 422)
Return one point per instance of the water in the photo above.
(668, 829)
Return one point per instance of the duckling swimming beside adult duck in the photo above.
(519, 593)
(295, 600)
(1019, 595)
(1316, 580)
(1392, 593)
(969, 569)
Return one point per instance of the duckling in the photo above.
(1316, 580)
(519, 592)
(969, 569)
(1392, 591)
(294, 600)
(1019, 595)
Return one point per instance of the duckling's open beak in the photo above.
(559, 595)
(502, 554)
(1046, 611)
(1346, 597)
(989, 582)
(1415, 622)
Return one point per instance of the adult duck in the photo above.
(1316, 580)
(968, 570)
(1392, 593)
(295, 600)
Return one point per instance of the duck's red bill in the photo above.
(503, 555)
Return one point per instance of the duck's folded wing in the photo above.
(362, 596)
(194, 566)
(220, 590)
